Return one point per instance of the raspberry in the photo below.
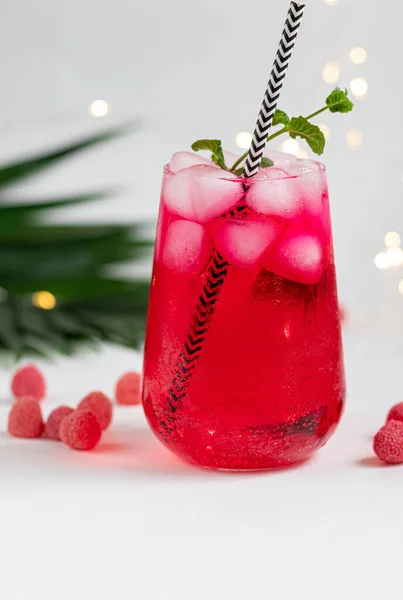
(100, 405)
(388, 443)
(396, 413)
(54, 420)
(28, 381)
(80, 430)
(25, 419)
(128, 389)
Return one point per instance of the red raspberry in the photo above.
(54, 420)
(388, 443)
(28, 381)
(128, 389)
(100, 405)
(396, 413)
(25, 419)
(80, 430)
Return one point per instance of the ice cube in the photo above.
(178, 196)
(201, 193)
(312, 180)
(282, 160)
(297, 256)
(183, 160)
(243, 242)
(187, 248)
(214, 191)
(276, 194)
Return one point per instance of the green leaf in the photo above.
(213, 146)
(266, 162)
(75, 262)
(16, 171)
(301, 127)
(338, 101)
(17, 216)
(280, 118)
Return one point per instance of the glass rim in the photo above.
(320, 167)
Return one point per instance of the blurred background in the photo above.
(180, 71)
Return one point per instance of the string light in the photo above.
(44, 300)
(99, 108)
(243, 140)
(325, 129)
(354, 139)
(331, 72)
(331, 2)
(290, 146)
(359, 87)
(401, 286)
(358, 55)
(392, 239)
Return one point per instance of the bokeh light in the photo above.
(99, 108)
(331, 72)
(243, 140)
(392, 239)
(358, 55)
(394, 257)
(44, 300)
(302, 154)
(359, 87)
(290, 146)
(325, 129)
(354, 139)
(381, 261)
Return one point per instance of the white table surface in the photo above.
(130, 521)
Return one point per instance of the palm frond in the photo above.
(72, 263)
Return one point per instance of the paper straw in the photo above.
(272, 94)
(218, 266)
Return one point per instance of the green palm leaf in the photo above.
(71, 262)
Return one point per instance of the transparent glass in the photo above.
(243, 358)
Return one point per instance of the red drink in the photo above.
(267, 382)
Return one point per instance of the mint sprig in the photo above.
(301, 127)
(213, 146)
(280, 118)
(337, 102)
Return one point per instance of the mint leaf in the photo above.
(266, 162)
(301, 127)
(213, 146)
(280, 118)
(238, 172)
(338, 101)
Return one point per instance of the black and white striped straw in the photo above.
(273, 89)
(217, 272)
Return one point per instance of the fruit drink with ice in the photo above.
(265, 384)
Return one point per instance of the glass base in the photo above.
(265, 469)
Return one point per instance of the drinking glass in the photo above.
(243, 357)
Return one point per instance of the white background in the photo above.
(130, 521)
